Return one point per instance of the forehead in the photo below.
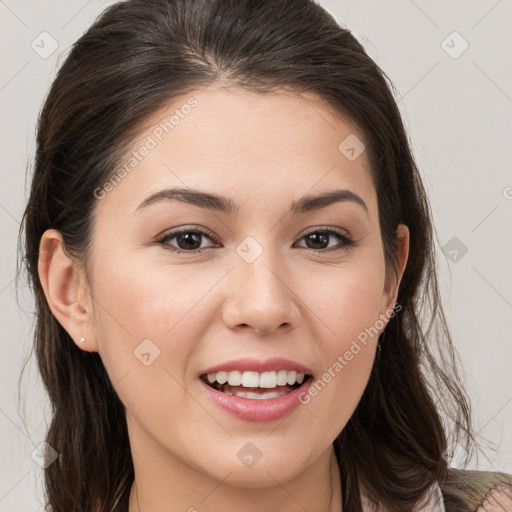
(235, 142)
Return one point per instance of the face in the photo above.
(263, 280)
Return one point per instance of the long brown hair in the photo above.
(140, 54)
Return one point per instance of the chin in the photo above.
(251, 468)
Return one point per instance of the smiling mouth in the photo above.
(255, 385)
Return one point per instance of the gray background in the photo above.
(457, 108)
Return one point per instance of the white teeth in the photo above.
(291, 378)
(222, 377)
(268, 380)
(235, 378)
(282, 377)
(256, 396)
(250, 379)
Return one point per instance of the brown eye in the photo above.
(319, 240)
(187, 240)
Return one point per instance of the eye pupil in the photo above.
(323, 238)
(188, 238)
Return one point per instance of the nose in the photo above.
(260, 297)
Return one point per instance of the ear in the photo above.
(66, 290)
(390, 292)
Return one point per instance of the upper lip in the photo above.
(255, 365)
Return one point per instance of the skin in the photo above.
(263, 151)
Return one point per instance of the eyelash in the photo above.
(347, 241)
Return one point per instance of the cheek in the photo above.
(143, 309)
(148, 335)
(346, 302)
(344, 306)
(153, 300)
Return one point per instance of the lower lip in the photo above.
(247, 409)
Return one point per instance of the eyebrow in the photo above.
(228, 206)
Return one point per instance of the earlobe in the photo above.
(391, 290)
(66, 290)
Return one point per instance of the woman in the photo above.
(231, 250)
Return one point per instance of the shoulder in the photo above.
(477, 491)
